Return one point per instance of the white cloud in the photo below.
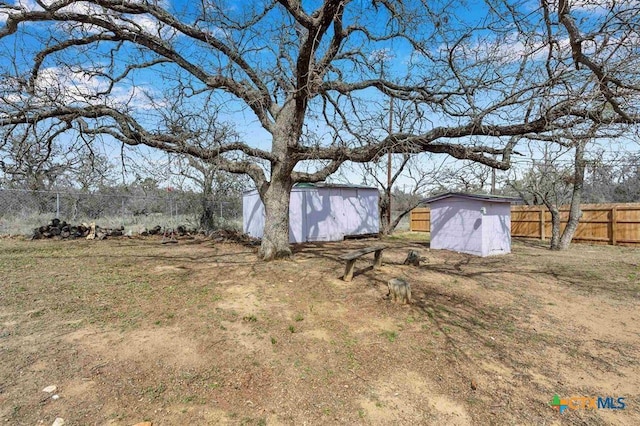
(509, 49)
(17, 7)
(145, 23)
(68, 87)
(381, 55)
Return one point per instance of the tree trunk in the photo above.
(207, 219)
(276, 194)
(555, 226)
(275, 238)
(576, 197)
(385, 226)
(398, 219)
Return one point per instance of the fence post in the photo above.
(614, 227)
(542, 224)
(57, 205)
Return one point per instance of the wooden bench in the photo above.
(351, 258)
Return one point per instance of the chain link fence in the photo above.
(21, 210)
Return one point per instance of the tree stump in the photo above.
(413, 258)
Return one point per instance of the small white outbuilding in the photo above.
(476, 224)
(319, 212)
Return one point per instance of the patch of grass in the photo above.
(477, 322)
(391, 336)
(292, 329)
(250, 318)
(490, 344)
(273, 341)
(350, 342)
(298, 317)
(409, 236)
(188, 399)
(154, 392)
(474, 401)
(509, 328)
(15, 410)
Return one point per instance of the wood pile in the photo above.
(228, 235)
(156, 230)
(180, 231)
(63, 230)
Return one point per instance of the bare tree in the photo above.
(548, 182)
(613, 178)
(213, 185)
(100, 67)
(554, 181)
(207, 130)
(28, 160)
(419, 177)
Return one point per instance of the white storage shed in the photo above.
(319, 212)
(476, 224)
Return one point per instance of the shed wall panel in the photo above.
(252, 214)
(496, 233)
(361, 211)
(297, 222)
(319, 214)
(321, 217)
(456, 224)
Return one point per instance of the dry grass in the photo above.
(202, 333)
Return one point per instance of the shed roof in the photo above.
(331, 185)
(481, 197)
(308, 185)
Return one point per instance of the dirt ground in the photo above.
(200, 333)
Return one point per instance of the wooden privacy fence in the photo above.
(420, 219)
(615, 224)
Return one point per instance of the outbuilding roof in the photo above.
(308, 185)
(330, 185)
(482, 197)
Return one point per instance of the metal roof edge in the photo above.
(471, 196)
(305, 185)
